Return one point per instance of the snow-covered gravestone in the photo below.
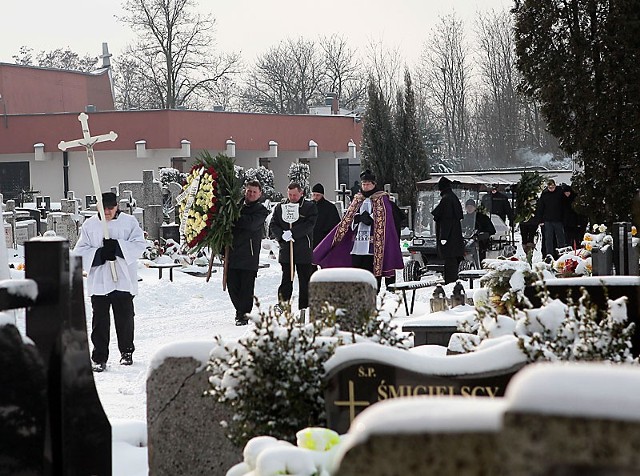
(363, 374)
(63, 224)
(352, 292)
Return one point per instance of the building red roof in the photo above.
(33, 90)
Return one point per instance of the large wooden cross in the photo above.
(88, 142)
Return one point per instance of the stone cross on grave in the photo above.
(393, 196)
(88, 142)
(343, 193)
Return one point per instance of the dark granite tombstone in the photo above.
(170, 231)
(354, 386)
(342, 194)
(22, 405)
(602, 261)
(625, 255)
(77, 433)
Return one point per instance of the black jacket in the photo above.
(247, 236)
(328, 217)
(498, 204)
(550, 206)
(302, 231)
(447, 216)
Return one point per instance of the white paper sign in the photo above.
(290, 212)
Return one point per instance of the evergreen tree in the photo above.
(299, 173)
(580, 60)
(378, 142)
(411, 153)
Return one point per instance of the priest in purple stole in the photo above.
(367, 235)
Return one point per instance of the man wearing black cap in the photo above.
(328, 215)
(450, 244)
(366, 237)
(482, 227)
(123, 248)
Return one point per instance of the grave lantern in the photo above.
(439, 300)
(458, 297)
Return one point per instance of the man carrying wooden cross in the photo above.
(123, 248)
(295, 238)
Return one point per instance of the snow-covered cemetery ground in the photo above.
(189, 309)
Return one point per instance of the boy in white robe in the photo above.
(124, 247)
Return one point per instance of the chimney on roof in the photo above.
(331, 99)
(106, 56)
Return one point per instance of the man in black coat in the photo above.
(575, 224)
(450, 243)
(550, 213)
(328, 215)
(301, 234)
(245, 251)
(497, 203)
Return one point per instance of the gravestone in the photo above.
(77, 433)
(369, 373)
(170, 191)
(24, 231)
(343, 195)
(89, 200)
(602, 261)
(625, 254)
(147, 194)
(170, 231)
(337, 287)
(8, 235)
(63, 225)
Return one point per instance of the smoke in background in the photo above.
(530, 158)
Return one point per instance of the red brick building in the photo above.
(39, 107)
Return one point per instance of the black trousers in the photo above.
(285, 290)
(366, 262)
(241, 286)
(451, 269)
(122, 304)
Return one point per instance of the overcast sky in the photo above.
(250, 26)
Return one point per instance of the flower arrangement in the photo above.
(209, 204)
(598, 239)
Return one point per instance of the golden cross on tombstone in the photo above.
(352, 403)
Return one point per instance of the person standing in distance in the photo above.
(550, 212)
(497, 203)
(300, 233)
(124, 247)
(244, 255)
(450, 244)
(328, 215)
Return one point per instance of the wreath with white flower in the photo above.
(209, 204)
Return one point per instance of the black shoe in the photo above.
(277, 310)
(242, 322)
(99, 366)
(126, 358)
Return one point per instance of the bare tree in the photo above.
(344, 74)
(58, 58)
(445, 75)
(385, 68)
(500, 103)
(175, 51)
(287, 79)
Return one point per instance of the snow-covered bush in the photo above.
(559, 331)
(262, 175)
(300, 173)
(169, 174)
(272, 379)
